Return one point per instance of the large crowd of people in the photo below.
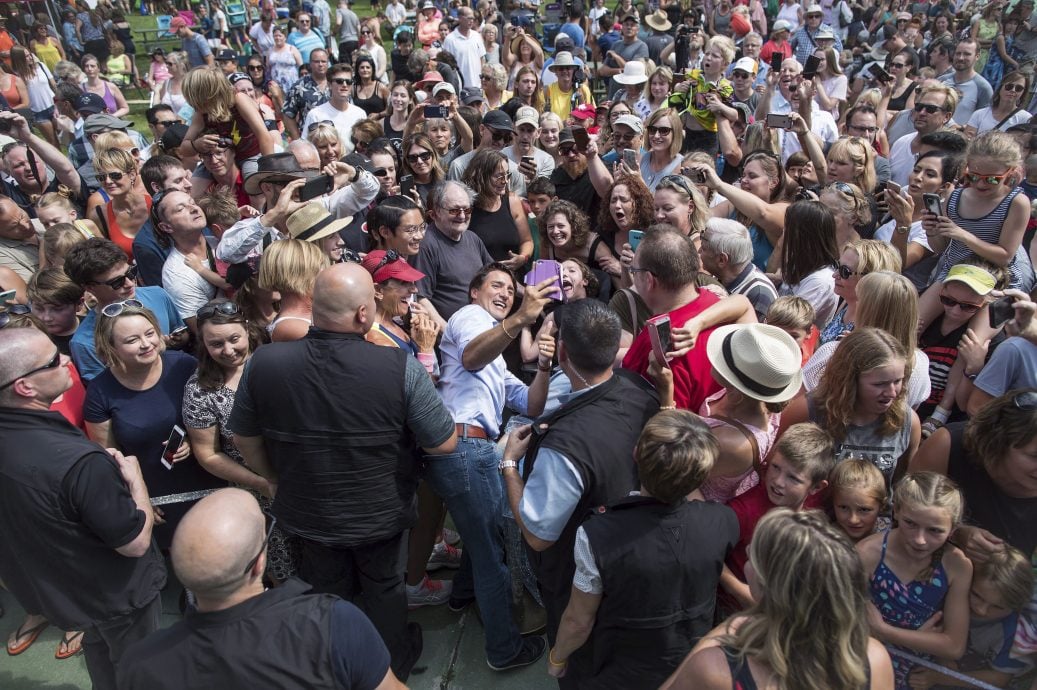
(698, 338)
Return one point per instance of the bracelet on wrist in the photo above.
(546, 370)
(551, 660)
(667, 407)
(505, 329)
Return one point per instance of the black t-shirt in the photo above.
(579, 191)
(96, 495)
(359, 658)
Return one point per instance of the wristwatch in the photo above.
(971, 377)
(903, 229)
(507, 464)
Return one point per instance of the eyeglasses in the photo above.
(502, 137)
(927, 107)
(845, 272)
(271, 523)
(255, 68)
(13, 310)
(664, 131)
(967, 307)
(224, 308)
(116, 308)
(973, 178)
(412, 230)
(897, 65)
(637, 269)
(424, 156)
(113, 176)
(219, 150)
(678, 180)
(499, 177)
(165, 123)
(865, 130)
(343, 81)
(53, 363)
(568, 150)
(119, 281)
(1016, 88)
(366, 32)
(620, 136)
(459, 212)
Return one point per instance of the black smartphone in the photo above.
(879, 72)
(776, 60)
(529, 161)
(779, 121)
(1001, 311)
(318, 186)
(581, 138)
(436, 111)
(933, 204)
(176, 437)
(810, 68)
(630, 158)
(406, 185)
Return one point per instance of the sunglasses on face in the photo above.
(927, 107)
(165, 123)
(967, 307)
(119, 281)
(459, 212)
(662, 131)
(568, 150)
(739, 74)
(343, 81)
(620, 136)
(116, 308)
(502, 137)
(424, 156)
(224, 308)
(897, 65)
(845, 272)
(113, 176)
(1014, 88)
(54, 363)
(255, 68)
(973, 178)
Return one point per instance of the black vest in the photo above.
(596, 432)
(279, 639)
(333, 413)
(49, 559)
(660, 566)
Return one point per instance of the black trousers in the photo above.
(370, 576)
(104, 643)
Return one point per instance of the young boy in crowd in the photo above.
(797, 471)
(795, 316)
(539, 194)
(56, 302)
(221, 212)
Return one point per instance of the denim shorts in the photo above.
(43, 115)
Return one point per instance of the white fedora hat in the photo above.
(633, 73)
(761, 361)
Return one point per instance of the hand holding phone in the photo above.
(630, 158)
(318, 186)
(933, 204)
(542, 270)
(433, 112)
(660, 336)
(581, 138)
(1001, 311)
(810, 68)
(172, 445)
(779, 121)
(406, 185)
(634, 238)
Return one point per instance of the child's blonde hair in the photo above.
(809, 450)
(997, 146)
(208, 91)
(858, 474)
(790, 312)
(55, 199)
(1011, 574)
(58, 240)
(929, 490)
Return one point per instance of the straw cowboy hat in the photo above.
(658, 21)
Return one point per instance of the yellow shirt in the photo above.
(560, 102)
(48, 54)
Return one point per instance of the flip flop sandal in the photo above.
(32, 633)
(66, 641)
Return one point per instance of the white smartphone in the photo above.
(176, 437)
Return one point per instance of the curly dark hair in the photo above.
(644, 214)
(578, 221)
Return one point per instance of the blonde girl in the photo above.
(656, 90)
(222, 115)
(850, 208)
(54, 207)
(290, 267)
(859, 496)
(915, 573)
(851, 160)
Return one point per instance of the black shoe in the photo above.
(459, 604)
(532, 649)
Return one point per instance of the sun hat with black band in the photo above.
(312, 223)
(760, 361)
(238, 76)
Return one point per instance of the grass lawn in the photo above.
(139, 100)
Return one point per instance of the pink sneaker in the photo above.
(428, 593)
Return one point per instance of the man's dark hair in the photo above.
(479, 278)
(339, 68)
(863, 108)
(153, 172)
(666, 253)
(67, 92)
(388, 213)
(89, 259)
(590, 332)
(154, 110)
(945, 140)
(473, 118)
(404, 37)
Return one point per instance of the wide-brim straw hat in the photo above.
(761, 361)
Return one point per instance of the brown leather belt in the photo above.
(471, 431)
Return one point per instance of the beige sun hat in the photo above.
(761, 361)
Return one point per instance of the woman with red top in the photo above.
(12, 87)
(128, 210)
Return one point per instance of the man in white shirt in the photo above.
(396, 13)
(338, 109)
(934, 108)
(179, 217)
(467, 47)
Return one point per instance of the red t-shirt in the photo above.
(771, 47)
(692, 378)
(71, 403)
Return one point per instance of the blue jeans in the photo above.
(469, 482)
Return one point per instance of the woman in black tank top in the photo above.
(368, 94)
(497, 215)
(793, 553)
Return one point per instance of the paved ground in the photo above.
(453, 657)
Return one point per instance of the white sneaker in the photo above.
(451, 537)
(428, 593)
(444, 556)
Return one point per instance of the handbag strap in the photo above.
(1006, 118)
(749, 436)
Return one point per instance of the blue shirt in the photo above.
(306, 44)
(82, 344)
(575, 32)
(197, 49)
(149, 255)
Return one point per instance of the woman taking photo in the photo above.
(284, 61)
(113, 98)
(862, 401)
(808, 252)
(401, 104)
(858, 259)
(421, 161)
(664, 138)
(498, 217)
(171, 92)
(135, 403)
(830, 84)
(369, 94)
(396, 225)
(494, 80)
(1006, 109)
(833, 648)
(290, 268)
(128, 208)
(758, 202)
(521, 50)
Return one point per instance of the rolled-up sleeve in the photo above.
(353, 198)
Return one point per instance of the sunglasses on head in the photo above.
(1026, 401)
(967, 307)
(13, 310)
(116, 308)
(424, 156)
(54, 363)
(119, 281)
(973, 178)
(113, 176)
(677, 180)
(322, 123)
(390, 257)
(927, 107)
(224, 308)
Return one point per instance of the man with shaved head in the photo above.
(243, 635)
(75, 520)
(335, 424)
